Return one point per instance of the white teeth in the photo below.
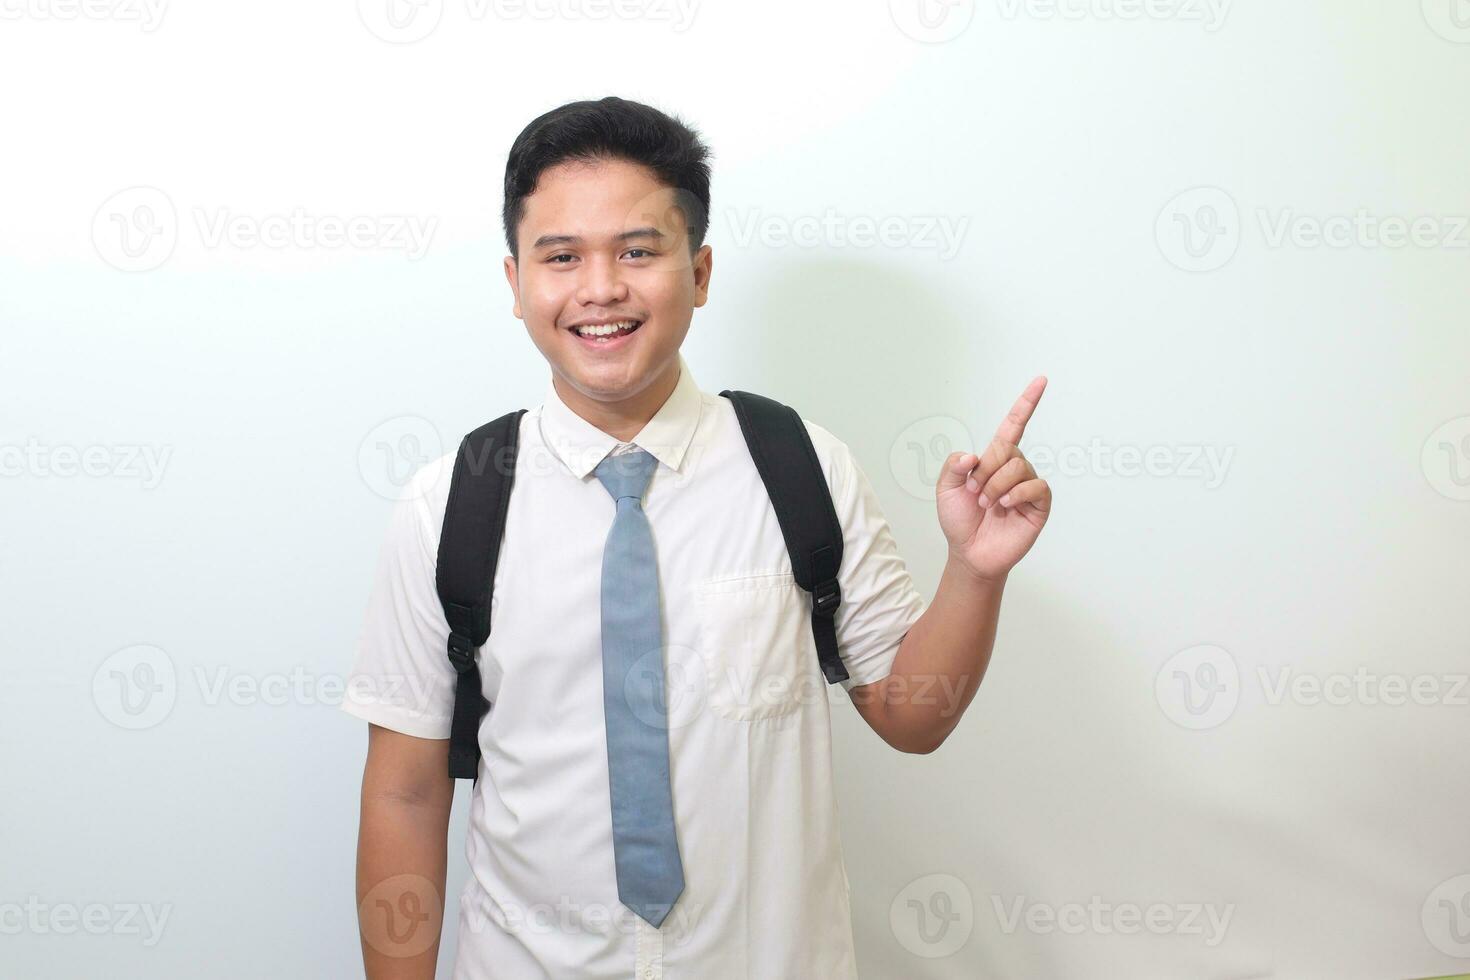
(605, 329)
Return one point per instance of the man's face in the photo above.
(602, 243)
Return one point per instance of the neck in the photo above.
(622, 419)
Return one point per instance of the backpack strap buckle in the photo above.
(461, 653)
(826, 597)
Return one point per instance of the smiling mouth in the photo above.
(605, 333)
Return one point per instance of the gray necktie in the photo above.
(650, 874)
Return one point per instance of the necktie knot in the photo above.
(626, 474)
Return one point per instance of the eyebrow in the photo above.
(548, 240)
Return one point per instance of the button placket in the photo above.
(650, 965)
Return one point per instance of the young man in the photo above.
(655, 792)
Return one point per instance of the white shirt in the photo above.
(766, 893)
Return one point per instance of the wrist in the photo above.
(957, 567)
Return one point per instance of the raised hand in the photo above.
(992, 507)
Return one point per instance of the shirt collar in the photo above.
(667, 436)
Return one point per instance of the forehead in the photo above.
(595, 200)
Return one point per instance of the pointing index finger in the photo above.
(1013, 426)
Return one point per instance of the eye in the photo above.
(645, 252)
(560, 255)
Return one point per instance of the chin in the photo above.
(612, 378)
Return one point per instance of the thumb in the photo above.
(955, 470)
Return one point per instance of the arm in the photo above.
(401, 853)
(991, 510)
(939, 666)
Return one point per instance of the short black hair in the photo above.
(610, 129)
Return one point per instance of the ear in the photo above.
(512, 273)
(704, 261)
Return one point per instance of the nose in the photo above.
(602, 283)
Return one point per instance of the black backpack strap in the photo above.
(782, 450)
(469, 547)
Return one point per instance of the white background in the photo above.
(1119, 175)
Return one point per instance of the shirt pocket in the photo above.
(755, 639)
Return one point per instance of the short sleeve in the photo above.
(879, 601)
(402, 678)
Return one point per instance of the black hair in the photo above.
(610, 129)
